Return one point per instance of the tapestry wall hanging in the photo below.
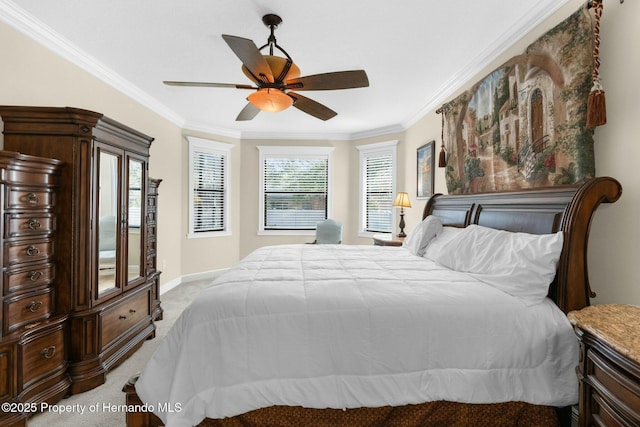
(523, 125)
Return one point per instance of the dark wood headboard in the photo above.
(539, 211)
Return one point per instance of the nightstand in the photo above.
(386, 239)
(609, 366)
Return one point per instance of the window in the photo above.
(377, 187)
(208, 188)
(294, 189)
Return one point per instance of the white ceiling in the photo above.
(416, 53)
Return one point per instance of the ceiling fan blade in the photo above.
(311, 107)
(330, 81)
(248, 113)
(206, 84)
(247, 51)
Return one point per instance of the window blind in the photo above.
(378, 193)
(208, 192)
(295, 192)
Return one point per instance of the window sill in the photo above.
(208, 234)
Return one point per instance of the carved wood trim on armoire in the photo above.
(106, 276)
(153, 275)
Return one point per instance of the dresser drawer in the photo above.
(18, 279)
(25, 198)
(42, 353)
(619, 390)
(27, 251)
(27, 308)
(117, 320)
(604, 415)
(26, 225)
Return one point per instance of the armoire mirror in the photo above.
(108, 208)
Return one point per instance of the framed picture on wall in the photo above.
(426, 166)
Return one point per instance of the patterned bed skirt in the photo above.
(431, 414)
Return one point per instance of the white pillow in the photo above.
(419, 238)
(441, 239)
(520, 264)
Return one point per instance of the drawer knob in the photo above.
(32, 198)
(121, 317)
(33, 224)
(32, 250)
(132, 311)
(34, 275)
(48, 352)
(34, 306)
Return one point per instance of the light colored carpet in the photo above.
(110, 393)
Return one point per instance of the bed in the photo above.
(342, 335)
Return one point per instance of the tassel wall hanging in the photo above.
(442, 158)
(596, 107)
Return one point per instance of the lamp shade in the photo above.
(402, 200)
(271, 100)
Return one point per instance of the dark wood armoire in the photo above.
(106, 278)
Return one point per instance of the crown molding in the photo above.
(381, 131)
(517, 31)
(50, 39)
(199, 127)
(310, 136)
(38, 31)
(241, 135)
(44, 35)
(297, 136)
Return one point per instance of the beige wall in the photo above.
(613, 266)
(32, 75)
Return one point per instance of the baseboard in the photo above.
(205, 275)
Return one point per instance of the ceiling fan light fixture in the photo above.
(277, 64)
(276, 78)
(270, 100)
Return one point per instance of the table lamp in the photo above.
(402, 200)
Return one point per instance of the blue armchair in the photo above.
(328, 231)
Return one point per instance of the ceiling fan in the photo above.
(277, 79)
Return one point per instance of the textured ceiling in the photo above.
(415, 52)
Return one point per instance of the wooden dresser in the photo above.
(153, 274)
(106, 275)
(609, 367)
(33, 338)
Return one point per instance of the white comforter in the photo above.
(343, 326)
